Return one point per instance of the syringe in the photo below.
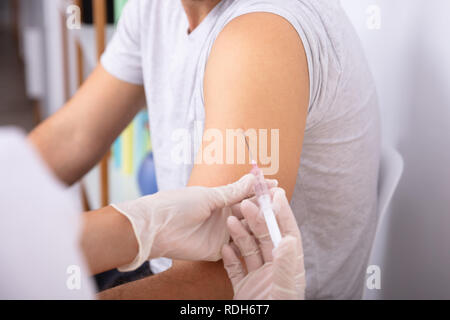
(263, 196)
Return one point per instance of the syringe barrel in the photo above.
(269, 216)
(262, 193)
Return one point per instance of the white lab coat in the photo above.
(39, 226)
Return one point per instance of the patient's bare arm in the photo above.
(76, 137)
(256, 77)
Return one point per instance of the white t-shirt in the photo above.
(39, 228)
(335, 197)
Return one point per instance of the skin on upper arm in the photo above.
(256, 77)
(74, 139)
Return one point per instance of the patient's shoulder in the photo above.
(258, 33)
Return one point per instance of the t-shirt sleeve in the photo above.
(122, 58)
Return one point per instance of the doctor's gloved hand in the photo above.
(268, 274)
(187, 224)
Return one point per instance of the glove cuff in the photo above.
(144, 245)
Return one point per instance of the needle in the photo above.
(253, 162)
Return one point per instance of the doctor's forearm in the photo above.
(184, 281)
(107, 240)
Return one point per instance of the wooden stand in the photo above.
(100, 21)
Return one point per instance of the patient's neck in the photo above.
(197, 10)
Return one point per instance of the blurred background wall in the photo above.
(5, 14)
(410, 59)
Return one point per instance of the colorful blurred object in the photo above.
(140, 134)
(118, 7)
(127, 149)
(131, 148)
(147, 176)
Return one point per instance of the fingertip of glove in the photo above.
(248, 181)
(278, 192)
(231, 221)
(279, 199)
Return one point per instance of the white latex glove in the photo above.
(269, 274)
(186, 224)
